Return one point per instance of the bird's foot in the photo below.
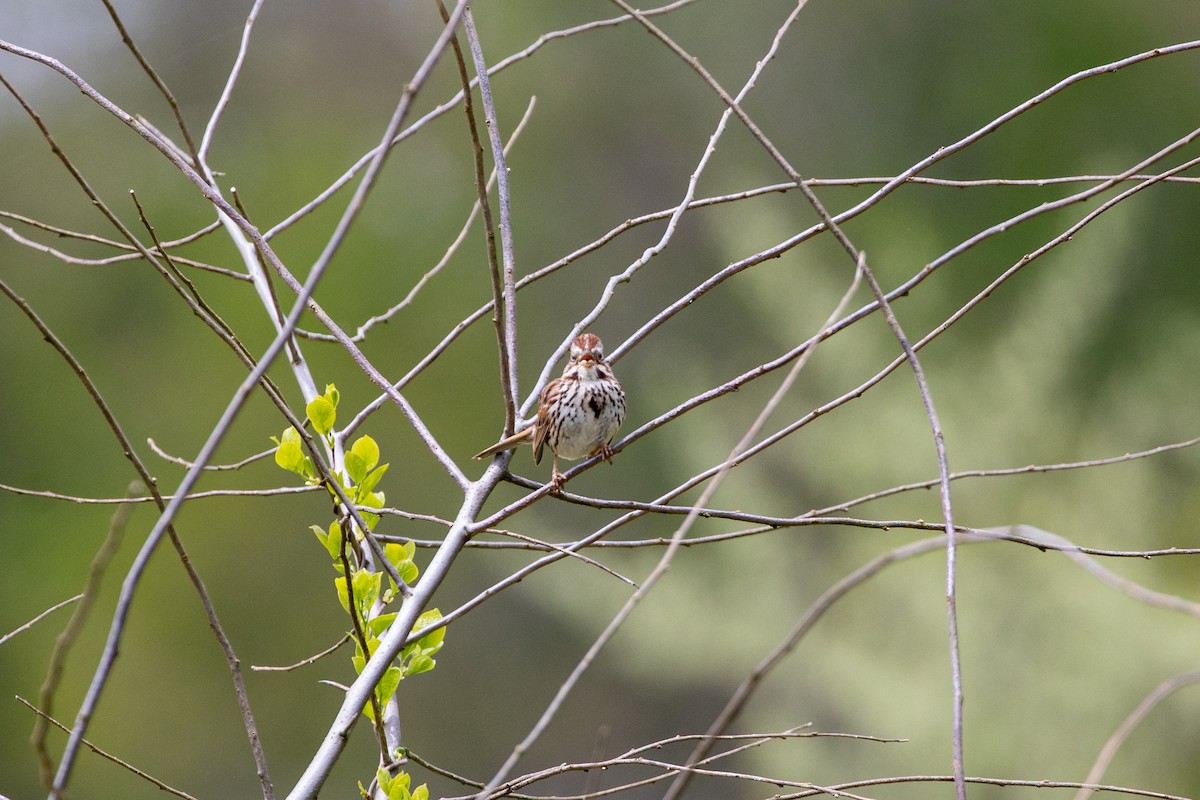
(605, 452)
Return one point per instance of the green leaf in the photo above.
(332, 394)
(321, 535)
(365, 448)
(366, 588)
(387, 684)
(356, 468)
(290, 455)
(331, 540)
(419, 664)
(380, 624)
(372, 479)
(370, 500)
(343, 596)
(418, 656)
(322, 414)
(408, 572)
(399, 787)
(421, 792)
(432, 641)
(398, 553)
(384, 778)
(401, 556)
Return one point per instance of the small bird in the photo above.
(578, 413)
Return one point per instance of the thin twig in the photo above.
(667, 769)
(939, 443)
(132, 255)
(280, 490)
(552, 547)
(44, 717)
(680, 783)
(1039, 540)
(995, 473)
(227, 91)
(183, 462)
(66, 233)
(1051, 541)
(501, 277)
(851, 522)
(304, 662)
(182, 284)
(360, 639)
(1036, 784)
(1109, 751)
(154, 77)
(39, 618)
(508, 312)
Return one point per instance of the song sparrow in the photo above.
(578, 413)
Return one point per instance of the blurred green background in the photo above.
(1090, 352)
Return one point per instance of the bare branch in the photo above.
(506, 318)
(201, 160)
(39, 618)
(960, 786)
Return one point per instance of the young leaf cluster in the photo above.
(364, 592)
(396, 788)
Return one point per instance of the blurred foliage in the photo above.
(1090, 352)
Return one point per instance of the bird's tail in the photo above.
(508, 443)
